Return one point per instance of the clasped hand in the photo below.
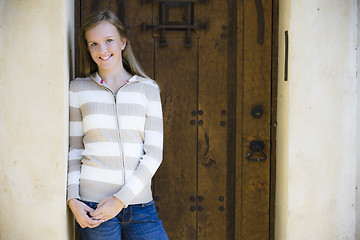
(88, 217)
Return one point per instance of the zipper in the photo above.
(118, 128)
(118, 125)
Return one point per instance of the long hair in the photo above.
(87, 64)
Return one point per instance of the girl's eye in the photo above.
(93, 44)
(109, 40)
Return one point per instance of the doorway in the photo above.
(215, 63)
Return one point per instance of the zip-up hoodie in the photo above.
(116, 141)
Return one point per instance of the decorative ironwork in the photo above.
(165, 24)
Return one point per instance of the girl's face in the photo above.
(105, 46)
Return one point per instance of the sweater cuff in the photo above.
(125, 195)
(73, 192)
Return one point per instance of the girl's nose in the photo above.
(103, 48)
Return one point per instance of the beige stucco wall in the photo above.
(282, 131)
(317, 121)
(357, 223)
(34, 76)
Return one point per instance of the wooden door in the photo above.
(213, 62)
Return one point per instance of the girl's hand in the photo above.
(82, 213)
(107, 209)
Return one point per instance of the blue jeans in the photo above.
(135, 222)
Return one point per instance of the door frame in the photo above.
(273, 120)
(274, 92)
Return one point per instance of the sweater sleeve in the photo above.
(153, 149)
(76, 146)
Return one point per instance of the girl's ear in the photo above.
(123, 43)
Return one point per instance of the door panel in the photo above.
(212, 137)
(142, 42)
(256, 92)
(212, 61)
(175, 184)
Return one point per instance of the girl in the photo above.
(116, 137)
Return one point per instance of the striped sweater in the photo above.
(116, 141)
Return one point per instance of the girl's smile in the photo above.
(106, 58)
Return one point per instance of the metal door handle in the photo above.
(256, 146)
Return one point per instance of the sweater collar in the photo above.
(96, 77)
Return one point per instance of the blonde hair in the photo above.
(87, 64)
